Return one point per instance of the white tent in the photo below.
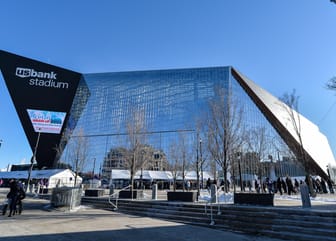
(154, 175)
(120, 174)
(146, 175)
(157, 175)
(192, 176)
(61, 177)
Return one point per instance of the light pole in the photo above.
(240, 155)
(200, 141)
(1, 141)
(197, 171)
(141, 176)
(93, 170)
(32, 160)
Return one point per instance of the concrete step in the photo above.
(288, 223)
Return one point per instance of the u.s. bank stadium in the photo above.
(177, 108)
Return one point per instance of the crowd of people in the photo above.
(280, 185)
(288, 186)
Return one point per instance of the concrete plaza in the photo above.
(40, 223)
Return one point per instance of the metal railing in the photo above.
(210, 204)
(115, 196)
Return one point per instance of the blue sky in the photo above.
(280, 45)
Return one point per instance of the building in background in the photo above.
(173, 107)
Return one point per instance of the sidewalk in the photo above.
(38, 223)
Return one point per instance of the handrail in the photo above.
(117, 197)
(212, 221)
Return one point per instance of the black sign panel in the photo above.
(38, 86)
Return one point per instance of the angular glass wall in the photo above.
(170, 102)
(172, 105)
(263, 153)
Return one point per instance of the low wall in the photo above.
(264, 199)
(137, 194)
(94, 192)
(182, 196)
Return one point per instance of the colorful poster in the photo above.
(46, 121)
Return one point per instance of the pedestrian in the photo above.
(269, 184)
(283, 185)
(330, 186)
(290, 187)
(324, 186)
(208, 183)
(297, 185)
(21, 196)
(256, 186)
(278, 185)
(12, 196)
(249, 185)
(188, 185)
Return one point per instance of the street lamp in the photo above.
(240, 156)
(197, 171)
(93, 171)
(32, 160)
(200, 141)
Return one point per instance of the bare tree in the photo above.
(291, 106)
(180, 157)
(201, 155)
(258, 144)
(224, 129)
(78, 152)
(59, 149)
(174, 163)
(184, 157)
(136, 131)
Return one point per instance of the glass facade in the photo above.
(172, 103)
(160, 116)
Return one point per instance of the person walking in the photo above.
(330, 186)
(12, 196)
(256, 186)
(208, 183)
(290, 187)
(278, 185)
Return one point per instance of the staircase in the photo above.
(282, 223)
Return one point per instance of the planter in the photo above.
(137, 194)
(182, 196)
(264, 199)
(69, 197)
(94, 192)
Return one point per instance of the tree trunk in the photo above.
(225, 179)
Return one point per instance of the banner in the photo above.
(46, 121)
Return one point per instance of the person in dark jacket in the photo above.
(21, 196)
(330, 186)
(12, 195)
(279, 186)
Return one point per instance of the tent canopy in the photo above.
(192, 175)
(157, 175)
(60, 177)
(35, 174)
